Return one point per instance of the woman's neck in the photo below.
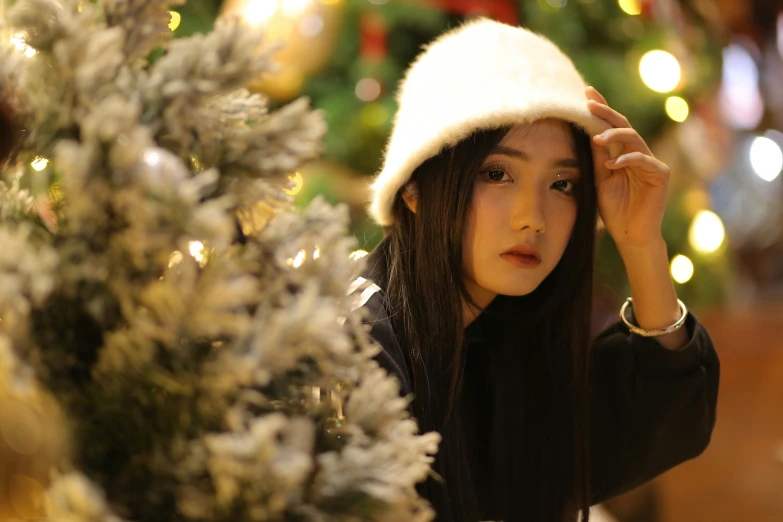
(481, 297)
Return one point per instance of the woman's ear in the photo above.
(410, 195)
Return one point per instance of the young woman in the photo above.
(496, 170)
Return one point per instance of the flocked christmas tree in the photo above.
(176, 342)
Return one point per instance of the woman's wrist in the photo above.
(655, 303)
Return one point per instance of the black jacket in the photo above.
(651, 408)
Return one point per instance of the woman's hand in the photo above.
(631, 188)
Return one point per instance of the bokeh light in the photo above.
(297, 261)
(297, 183)
(176, 18)
(631, 7)
(311, 25)
(766, 158)
(258, 12)
(196, 249)
(681, 269)
(375, 115)
(740, 100)
(19, 41)
(677, 108)
(293, 8)
(358, 254)
(39, 163)
(707, 232)
(368, 89)
(175, 258)
(660, 71)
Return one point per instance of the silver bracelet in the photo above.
(654, 333)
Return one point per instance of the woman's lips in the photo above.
(522, 260)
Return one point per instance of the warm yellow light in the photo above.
(297, 181)
(681, 269)
(175, 258)
(660, 71)
(197, 250)
(19, 41)
(176, 18)
(316, 253)
(631, 7)
(706, 233)
(374, 115)
(358, 254)
(677, 108)
(39, 163)
(297, 261)
(258, 12)
(294, 8)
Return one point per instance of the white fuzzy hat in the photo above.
(481, 75)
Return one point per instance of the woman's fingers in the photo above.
(625, 135)
(611, 116)
(593, 93)
(651, 167)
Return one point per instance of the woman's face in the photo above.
(524, 209)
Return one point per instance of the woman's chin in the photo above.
(516, 288)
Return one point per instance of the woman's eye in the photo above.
(495, 175)
(564, 185)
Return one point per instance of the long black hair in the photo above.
(537, 423)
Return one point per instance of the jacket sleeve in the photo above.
(651, 408)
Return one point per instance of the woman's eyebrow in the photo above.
(514, 153)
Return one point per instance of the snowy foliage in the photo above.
(156, 280)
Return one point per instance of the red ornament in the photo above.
(501, 10)
(373, 37)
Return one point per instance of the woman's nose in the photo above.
(528, 211)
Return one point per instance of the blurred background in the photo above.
(702, 80)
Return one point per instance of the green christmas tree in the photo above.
(177, 341)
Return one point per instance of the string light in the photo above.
(297, 261)
(707, 232)
(316, 253)
(358, 254)
(766, 158)
(176, 18)
(297, 181)
(681, 269)
(196, 249)
(152, 158)
(39, 163)
(19, 41)
(175, 258)
(677, 108)
(631, 7)
(660, 71)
